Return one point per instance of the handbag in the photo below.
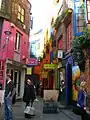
(29, 110)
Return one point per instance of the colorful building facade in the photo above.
(14, 43)
(72, 19)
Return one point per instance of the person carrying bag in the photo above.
(28, 98)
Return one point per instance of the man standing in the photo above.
(8, 98)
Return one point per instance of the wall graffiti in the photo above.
(75, 82)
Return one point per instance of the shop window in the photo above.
(17, 41)
(88, 11)
(7, 72)
(21, 14)
(69, 36)
(11, 74)
(15, 79)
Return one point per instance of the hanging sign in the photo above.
(49, 66)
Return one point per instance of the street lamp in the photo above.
(7, 33)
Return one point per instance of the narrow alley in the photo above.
(64, 114)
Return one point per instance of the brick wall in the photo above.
(5, 11)
(27, 7)
(9, 10)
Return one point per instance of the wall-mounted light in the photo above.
(7, 33)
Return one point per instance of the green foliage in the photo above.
(82, 41)
(60, 18)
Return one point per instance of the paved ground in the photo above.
(64, 114)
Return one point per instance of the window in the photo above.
(21, 14)
(79, 17)
(11, 74)
(69, 36)
(60, 43)
(88, 11)
(17, 41)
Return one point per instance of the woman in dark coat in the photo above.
(29, 93)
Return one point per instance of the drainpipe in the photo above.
(57, 75)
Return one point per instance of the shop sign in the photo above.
(44, 74)
(60, 53)
(49, 66)
(29, 71)
(32, 61)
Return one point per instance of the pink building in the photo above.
(13, 55)
(14, 41)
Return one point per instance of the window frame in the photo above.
(87, 10)
(17, 41)
(79, 32)
(21, 14)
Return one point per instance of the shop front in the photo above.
(62, 82)
(48, 76)
(17, 72)
(69, 64)
(61, 76)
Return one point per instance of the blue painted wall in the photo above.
(69, 60)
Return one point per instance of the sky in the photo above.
(42, 11)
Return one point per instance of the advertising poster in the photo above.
(75, 81)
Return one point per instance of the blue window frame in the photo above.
(79, 17)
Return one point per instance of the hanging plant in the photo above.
(78, 45)
(82, 41)
(60, 18)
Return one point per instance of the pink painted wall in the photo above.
(24, 47)
(9, 48)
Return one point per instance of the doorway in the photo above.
(17, 81)
(69, 83)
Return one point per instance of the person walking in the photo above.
(29, 94)
(8, 98)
